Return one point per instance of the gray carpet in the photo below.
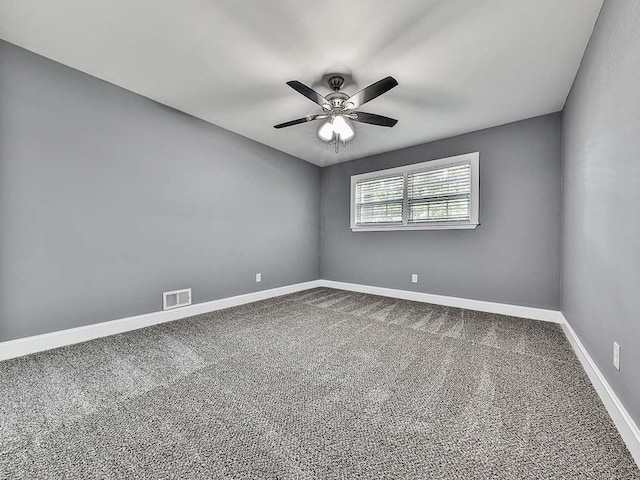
(322, 384)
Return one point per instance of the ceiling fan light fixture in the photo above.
(339, 109)
(342, 127)
(325, 132)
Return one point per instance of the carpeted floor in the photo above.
(322, 384)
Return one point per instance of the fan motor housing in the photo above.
(336, 99)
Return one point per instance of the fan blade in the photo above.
(298, 121)
(311, 94)
(373, 119)
(369, 93)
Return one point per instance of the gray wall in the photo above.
(513, 257)
(108, 199)
(601, 172)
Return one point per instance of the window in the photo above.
(380, 200)
(438, 194)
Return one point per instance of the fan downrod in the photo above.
(336, 82)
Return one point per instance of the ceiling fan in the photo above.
(339, 109)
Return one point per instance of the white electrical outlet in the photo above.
(258, 277)
(414, 278)
(616, 355)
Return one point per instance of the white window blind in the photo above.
(380, 201)
(442, 195)
(437, 194)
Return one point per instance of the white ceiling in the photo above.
(462, 65)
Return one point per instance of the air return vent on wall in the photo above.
(177, 298)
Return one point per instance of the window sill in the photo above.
(380, 228)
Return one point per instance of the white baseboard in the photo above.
(624, 423)
(478, 305)
(47, 341)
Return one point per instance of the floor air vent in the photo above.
(175, 299)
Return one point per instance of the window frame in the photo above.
(472, 159)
